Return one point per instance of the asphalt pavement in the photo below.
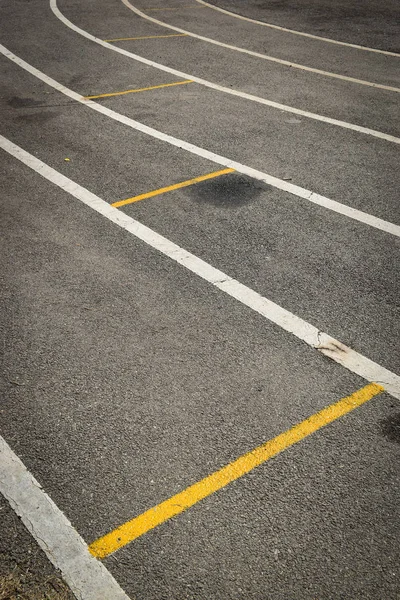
(126, 377)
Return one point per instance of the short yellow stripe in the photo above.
(147, 37)
(153, 517)
(170, 188)
(175, 7)
(153, 87)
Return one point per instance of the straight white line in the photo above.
(280, 61)
(219, 88)
(351, 360)
(280, 184)
(286, 30)
(86, 576)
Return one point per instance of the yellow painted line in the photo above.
(147, 37)
(153, 87)
(157, 515)
(174, 7)
(170, 188)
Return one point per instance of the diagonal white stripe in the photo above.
(86, 576)
(355, 362)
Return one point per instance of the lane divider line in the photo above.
(214, 86)
(279, 184)
(280, 61)
(289, 322)
(87, 577)
(147, 37)
(171, 188)
(179, 503)
(302, 33)
(134, 91)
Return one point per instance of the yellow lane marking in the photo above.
(169, 188)
(153, 87)
(147, 37)
(175, 7)
(153, 517)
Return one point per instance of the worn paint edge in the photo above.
(87, 578)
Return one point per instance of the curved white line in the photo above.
(279, 184)
(280, 61)
(290, 109)
(295, 32)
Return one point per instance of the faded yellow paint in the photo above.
(147, 37)
(153, 517)
(170, 188)
(174, 7)
(146, 89)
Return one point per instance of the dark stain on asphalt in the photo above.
(36, 117)
(17, 102)
(227, 191)
(390, 428)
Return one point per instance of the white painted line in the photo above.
(348, 358)
(219, 88)
(286, 63)
(280, 184)
(286, 30)
(86, 576)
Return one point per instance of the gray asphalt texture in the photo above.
(371, 23)
(25, 572)
(126, 378)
